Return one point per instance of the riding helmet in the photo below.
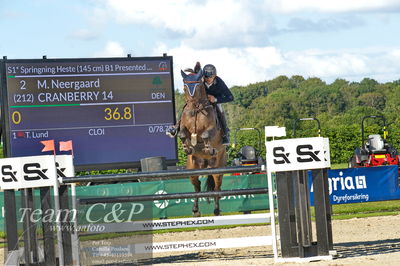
(209, 70)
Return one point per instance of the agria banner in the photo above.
(355, 185)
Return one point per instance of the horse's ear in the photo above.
(197, 67)
(183, 74)
(199, 74)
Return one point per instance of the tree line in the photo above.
(339, 106)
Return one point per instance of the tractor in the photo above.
(248, 155)
(374, 150)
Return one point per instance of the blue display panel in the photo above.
(115, 110)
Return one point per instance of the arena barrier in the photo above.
(295, 234)
(176, 246)
(180, 223)
(191, 245)
(69, 244)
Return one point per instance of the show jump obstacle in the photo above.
(291, 159)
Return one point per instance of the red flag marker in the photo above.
(48, 145)
(66, 145)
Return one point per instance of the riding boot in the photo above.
(224, 127)
(173, 130)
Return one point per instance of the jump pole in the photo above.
(179, 223)
(272, 132)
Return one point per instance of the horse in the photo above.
(201, 136)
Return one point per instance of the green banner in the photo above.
(181, 207)
(122, 212)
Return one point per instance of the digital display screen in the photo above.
(115, 110)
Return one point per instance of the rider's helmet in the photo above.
(209, 70)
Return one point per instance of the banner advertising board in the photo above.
(355, 185)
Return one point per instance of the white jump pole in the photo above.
(272, 212)
(273, 131)
(58, 222)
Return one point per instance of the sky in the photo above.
(248, 41)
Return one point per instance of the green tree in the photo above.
(339, 106)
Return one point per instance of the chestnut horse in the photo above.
(201, 136)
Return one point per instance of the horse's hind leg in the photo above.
(197, 185)
(217, 187)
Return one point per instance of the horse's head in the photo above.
(193, 85)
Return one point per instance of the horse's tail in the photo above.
(210, 184)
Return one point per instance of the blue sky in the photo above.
(248, 41)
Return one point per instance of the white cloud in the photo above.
(234, 65)
(292, 6)
(233, 35)
(242, 66)
(84, 34)
(210, 24)
(354, 65)
(200, 24)
(323, 64)
(112, 49)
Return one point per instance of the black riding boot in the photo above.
(224, 127)
(173, 130)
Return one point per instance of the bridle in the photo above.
(191, 86)
(199, 105)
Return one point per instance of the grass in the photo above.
(339, 166)
(366, 209)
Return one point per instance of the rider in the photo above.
(217, 93)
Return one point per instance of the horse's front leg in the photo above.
(197, 187)
(215, 162)
(184, 136)
(192, 163)
(217, 187)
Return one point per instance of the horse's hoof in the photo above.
(217, 212)
(196, 214)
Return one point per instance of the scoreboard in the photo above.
(115, 110)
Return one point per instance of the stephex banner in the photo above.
(28, 172)
(298, 154)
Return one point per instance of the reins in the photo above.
(197, 106)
